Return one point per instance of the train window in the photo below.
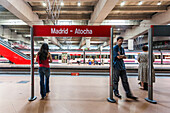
(97, 56)
(93, 56)
(88, 56)
(130, 56)
(105, 56)
(81, 56)
(166, 56)
(102, 56)
(108, 56)
(157, 56)
(78, 56)
(56, 57)
(73, 57)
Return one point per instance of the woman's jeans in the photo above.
(44, 73)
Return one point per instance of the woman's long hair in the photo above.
(43, 52)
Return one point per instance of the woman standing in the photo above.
(44, 58)
(143, 68)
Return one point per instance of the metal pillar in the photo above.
(111, 99)
(32, 98)
(84, 56)
(100, 57)
(161, 57)
(150, 67)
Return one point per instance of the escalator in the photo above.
(13, 55)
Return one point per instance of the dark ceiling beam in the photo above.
(128, 17)
(139, 9)
(20, 29)
(17, 26)
(5, 13)
(28, 31)
(8, 17)
(65, 12)
(65, 8)
(23, 33)
(67, 17)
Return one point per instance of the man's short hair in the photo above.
(119, 38)
(145, 48)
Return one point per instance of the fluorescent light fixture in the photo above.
(122, 3)
(118, 29)
(62, 3)
(140, 3)
(44, 4)
(15, 31)
(79, 3)
(159, 3)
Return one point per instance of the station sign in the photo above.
(71, 31)
(160, 30)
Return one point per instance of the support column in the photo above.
(88, 42)
(130, 44)
(161, 57)
(32, 98)
(150, 67)
(111, 99)
(84, 56)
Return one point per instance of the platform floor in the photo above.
(79, 95)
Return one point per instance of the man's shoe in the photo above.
(42, 98)
(118, 95)
(145, 86)
(132, 97)
(48, 92)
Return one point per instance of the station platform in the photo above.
(79, 95)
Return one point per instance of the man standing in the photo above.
(120, 70)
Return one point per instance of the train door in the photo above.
(64, 57)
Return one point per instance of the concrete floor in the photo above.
(79, 95)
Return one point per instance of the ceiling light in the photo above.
(62, 3)
(79, 3)
(44, 4)
(15, 31)
(140, 3)
(118, 29)
(122, 3)
(159, 3)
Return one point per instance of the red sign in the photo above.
(74, 74)
(71, 31)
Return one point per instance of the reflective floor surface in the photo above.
(79, 95)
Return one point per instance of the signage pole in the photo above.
(32, 98)
(111, 99)
(150, 67)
